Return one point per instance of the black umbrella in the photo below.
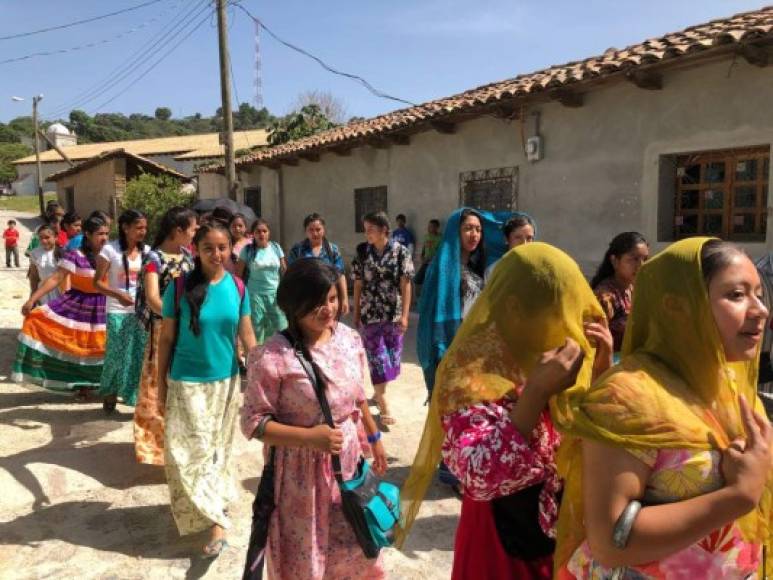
(205, 205)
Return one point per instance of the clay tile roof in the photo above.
(97, 159)
(741, 28)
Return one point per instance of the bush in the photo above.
(154, 195)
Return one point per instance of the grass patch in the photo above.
(28, 203)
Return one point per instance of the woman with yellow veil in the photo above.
(527, 338)
(671, 476)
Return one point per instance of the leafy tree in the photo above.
(8, 153)
(154, 195)
(7, 134)
(163, 113)
(308, 121)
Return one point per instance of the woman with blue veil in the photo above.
(472, 241)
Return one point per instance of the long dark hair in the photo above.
(127, 218)
(90, 226)
(303, 288)
(621, 244)
(175, 217)
(57, 250)
(477, 261)
(196, 284)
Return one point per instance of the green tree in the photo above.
(10, 152)
(163, 113)
(7, 134)
(308, 121)
(154, 195)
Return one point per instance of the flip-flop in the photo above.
(215, 548)
(387, 419)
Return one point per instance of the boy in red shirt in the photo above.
(11, 237)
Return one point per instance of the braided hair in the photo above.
(196, 283)
(127, 218)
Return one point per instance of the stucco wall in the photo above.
(94, 187)
(29, 186)
(599, 175)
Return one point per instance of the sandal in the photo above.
(383, 417)
(215, 548)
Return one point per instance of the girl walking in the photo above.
(316, 245)
(668, 456)
(261, 264)
(613, 281)
(43, 262)
(62, 343)
(168, 260)
(116, 276)
(308, 535)
(198, 380)
(239, 232)
(382, 270)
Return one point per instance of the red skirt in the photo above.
(479, 555)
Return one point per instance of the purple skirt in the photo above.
(384, 346)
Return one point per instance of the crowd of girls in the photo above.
(602, 430)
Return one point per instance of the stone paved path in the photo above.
(75, 504)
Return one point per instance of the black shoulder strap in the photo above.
(318, 382)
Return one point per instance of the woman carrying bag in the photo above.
(308, 534)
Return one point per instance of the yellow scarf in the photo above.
(535, 299)
(673, 389)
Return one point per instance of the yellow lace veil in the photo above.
(535, 299)
(672, 389)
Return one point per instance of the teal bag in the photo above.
(371, 506)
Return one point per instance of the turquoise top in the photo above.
(264, 267)
(211, 355)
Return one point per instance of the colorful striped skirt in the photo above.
(62, 343)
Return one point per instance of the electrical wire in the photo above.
(92, 44)
(79, 22)
(199, 24)
(134, 62)
(322, 63)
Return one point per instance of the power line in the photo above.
(156, 63)
(91, 44)
(78, 22)
(322, 63)
(134, 62)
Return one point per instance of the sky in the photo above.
(416, 50)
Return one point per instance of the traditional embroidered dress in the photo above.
(672, 402)
(616, 302)
(309, 537)
(148, 422)
(62, 343)
(478, 382)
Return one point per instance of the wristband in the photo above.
(260, 430)
(375, 438)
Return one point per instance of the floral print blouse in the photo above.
(680, 474)
(327, 253)
(168, 267)
(381, 299)
(616, 303)
(491, 458)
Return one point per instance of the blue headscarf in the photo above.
(440, 307)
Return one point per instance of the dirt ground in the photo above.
(75, 504)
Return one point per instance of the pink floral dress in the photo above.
(309, 537)
(679, 474)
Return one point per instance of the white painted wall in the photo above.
(599, 175)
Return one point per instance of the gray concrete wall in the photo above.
(29, 186)
(599, 175)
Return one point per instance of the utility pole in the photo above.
(35, 100)
(225, 93)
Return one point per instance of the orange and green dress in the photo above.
(62, 343)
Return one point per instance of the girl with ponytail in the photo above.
(117, 273)
(204, 313)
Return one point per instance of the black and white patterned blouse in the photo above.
(380, 299)
(472, 286)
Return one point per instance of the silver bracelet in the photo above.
(260, 430)
(624, 525)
